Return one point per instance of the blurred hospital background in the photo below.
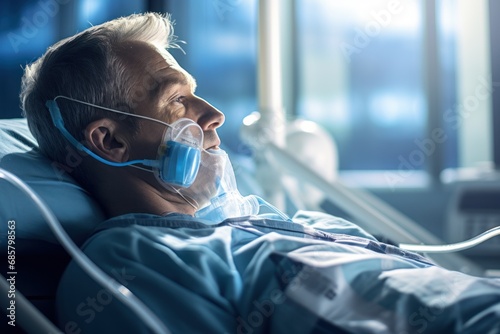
(407, 89)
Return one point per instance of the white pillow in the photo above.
(72, 205)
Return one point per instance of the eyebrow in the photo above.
(165, 83)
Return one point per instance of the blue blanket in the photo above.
(319, 274)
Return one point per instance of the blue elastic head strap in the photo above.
(55, 113)
(178, 165)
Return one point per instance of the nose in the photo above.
(209, 117)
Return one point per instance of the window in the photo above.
(395, 84)
(361, 76)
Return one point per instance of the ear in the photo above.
(104, 139)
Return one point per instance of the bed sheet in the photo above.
(259, 275)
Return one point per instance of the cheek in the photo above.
(145, 144)
(175, 112)
(144, 150)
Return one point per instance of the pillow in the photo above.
(72, 205)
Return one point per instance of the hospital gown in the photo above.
(317, 274)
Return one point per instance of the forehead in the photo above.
(166, 71)
(152, 68)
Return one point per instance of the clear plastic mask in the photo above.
(216, 175)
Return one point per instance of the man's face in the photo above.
(166, 92)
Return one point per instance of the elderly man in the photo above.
(122, 65)
(181, 237)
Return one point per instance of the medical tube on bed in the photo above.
(90, 268)
(453, 247)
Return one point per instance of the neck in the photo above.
(122, 194)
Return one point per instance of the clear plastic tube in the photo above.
(271, 207)
(459, 246)
(118, 290)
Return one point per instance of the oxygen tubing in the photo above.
(459, 246)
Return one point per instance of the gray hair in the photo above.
(87, 67)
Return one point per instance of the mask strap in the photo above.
(112, 110)
(55, 113)
(194, 205)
